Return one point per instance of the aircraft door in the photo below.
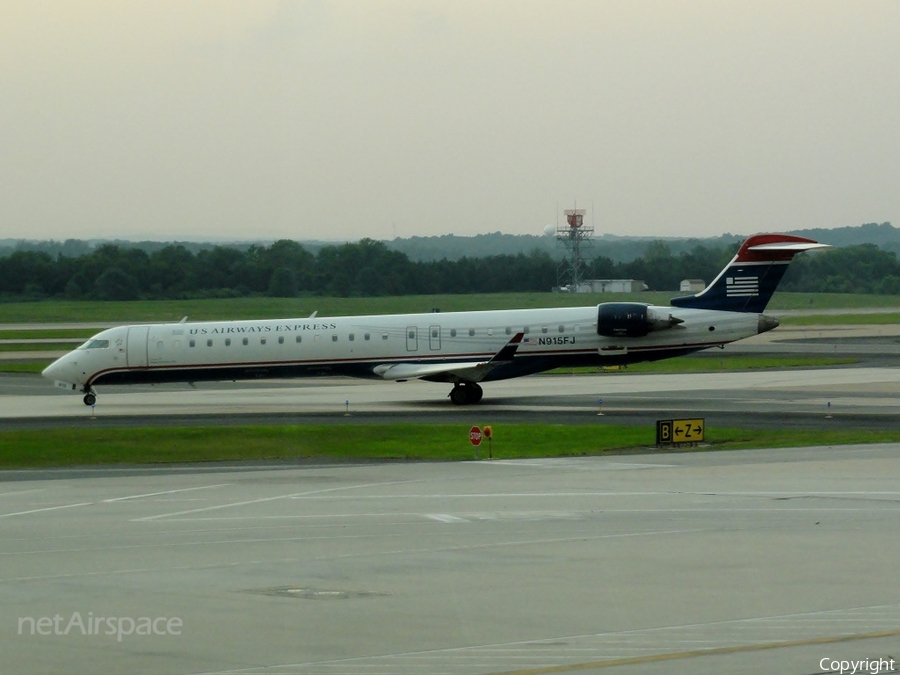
(136, 354)
(434, 337)
(412, 338)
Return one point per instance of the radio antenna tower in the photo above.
(576, 239)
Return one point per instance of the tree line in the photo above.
(370, 268)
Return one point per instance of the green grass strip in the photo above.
(830, 301)
(854, 319)
(707, 362)
(51, 311)
(696, 364)
(49, 334)
(442, 442)
(38, 346)
(24, 366)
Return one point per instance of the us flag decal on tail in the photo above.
(743, 287)
(749, 280)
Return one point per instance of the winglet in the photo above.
(509, 349)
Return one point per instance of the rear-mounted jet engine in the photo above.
(631, 319)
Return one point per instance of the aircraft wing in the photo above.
(471, 371)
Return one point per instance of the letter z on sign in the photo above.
(687, 431)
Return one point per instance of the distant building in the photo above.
(606, 286)
(692, 285)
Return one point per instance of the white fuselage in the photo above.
(363, 346)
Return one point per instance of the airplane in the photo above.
(464, 349)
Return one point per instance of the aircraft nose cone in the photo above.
(767, 323)
(51, 372)
(60, 370)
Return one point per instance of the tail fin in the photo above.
(749, 280)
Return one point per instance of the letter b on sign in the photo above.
(663, 431)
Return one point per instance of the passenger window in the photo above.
(366, 336)
(281, 339)
(471, 332)
(384, 336)
(543, 329)
(562, 329)
(245, 342)
(227, 342)
(262, 341)
(192, 343)
(508, 330)
(299, 339)
(452, 332)
(352, 337)
(334, 338)
(490, 331)
(209, 343)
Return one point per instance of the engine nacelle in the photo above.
(631, 319)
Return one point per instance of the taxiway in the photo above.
(738, 562)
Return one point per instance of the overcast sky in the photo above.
(342, 120)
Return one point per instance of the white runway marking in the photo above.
(48, 508)
(105, 501)
(166, 492)
(445, 518)
(263, 500)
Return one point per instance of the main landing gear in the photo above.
(90, 396)
(464, 393)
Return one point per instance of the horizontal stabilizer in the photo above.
(796, 248)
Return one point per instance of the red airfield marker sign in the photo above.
(475, 436)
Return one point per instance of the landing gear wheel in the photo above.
(458, 395)
(89, 399)
(475, 393)
(465, 393)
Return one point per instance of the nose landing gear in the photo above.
(90, 396)
(464, 393)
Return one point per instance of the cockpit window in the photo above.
(95, 344)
